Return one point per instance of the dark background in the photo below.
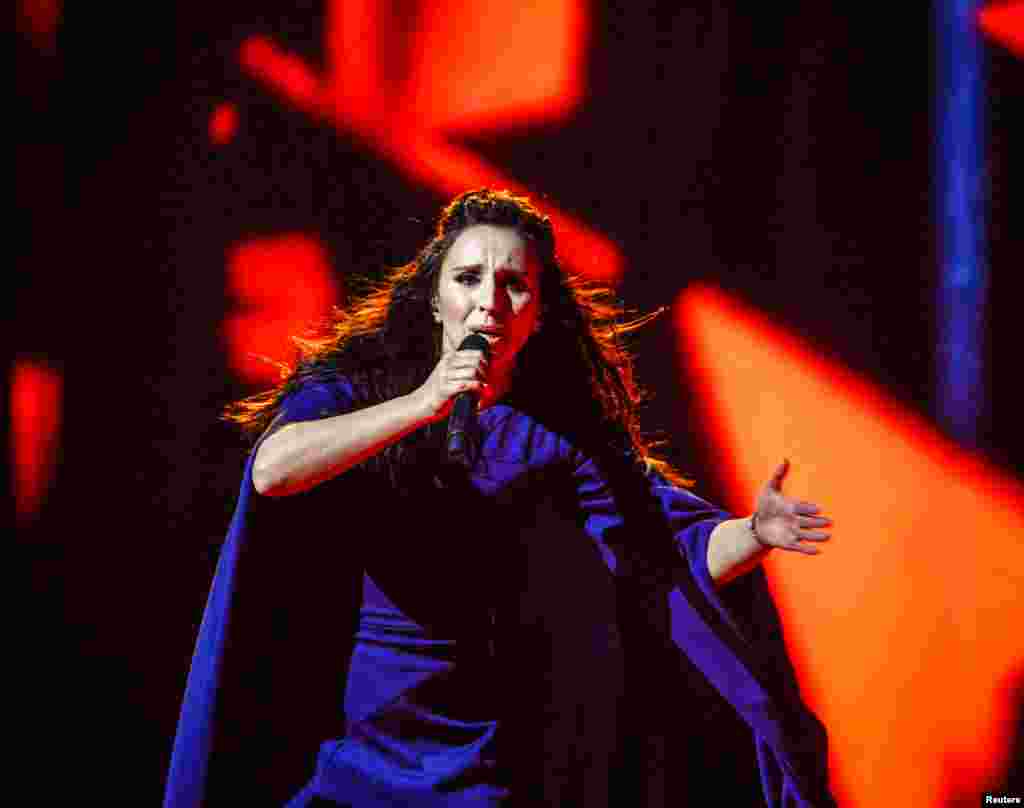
(785, 155)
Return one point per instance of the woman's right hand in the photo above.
(457, 372)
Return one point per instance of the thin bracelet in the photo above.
(753, 529)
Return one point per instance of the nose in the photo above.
(489, 295)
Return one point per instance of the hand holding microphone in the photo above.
(460, 371)
(454, 389)
(461, 443)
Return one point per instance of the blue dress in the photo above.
(416, 603)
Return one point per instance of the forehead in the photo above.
(489, 246)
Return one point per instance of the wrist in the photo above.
(419, 406)
(733, 550)
(752, 525)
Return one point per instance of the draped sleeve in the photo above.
(254, 610)
(657, 535)
(311, 400)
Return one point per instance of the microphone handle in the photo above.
(461, 443)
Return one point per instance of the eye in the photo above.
(468, 278)
(517, 283)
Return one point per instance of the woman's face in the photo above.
(489, 284)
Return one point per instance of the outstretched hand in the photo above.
(785, 522)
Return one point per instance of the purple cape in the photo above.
(276, 640)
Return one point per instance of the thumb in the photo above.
(775, 482)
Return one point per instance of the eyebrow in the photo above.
(479, 267)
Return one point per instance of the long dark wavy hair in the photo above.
(387, 343)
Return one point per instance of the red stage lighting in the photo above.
(36, 391)
(224, 124)
(279, 286)
(1004, 22)
(460, 79)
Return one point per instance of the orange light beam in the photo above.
(905, 630)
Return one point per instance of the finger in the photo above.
(813, 535)
(779, 475)
(806, 508)
(466, 386)
(467, 362)
(814, 521)
(456, 372)
(468, 358)
(465, 377)
(801, 548)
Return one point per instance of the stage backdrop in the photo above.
(196, 182)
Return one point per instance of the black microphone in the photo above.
(463, 444)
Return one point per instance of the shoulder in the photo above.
(318, 395)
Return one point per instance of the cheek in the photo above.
(452, 303)
(527, 308)
(526, 319)
(520, 303)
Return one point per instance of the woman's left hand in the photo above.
(787, 523)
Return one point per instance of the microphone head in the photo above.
(474, 342)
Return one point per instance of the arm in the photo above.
(733, 550)
(735, 547)
(718, 547)
(739, 651)
(305, 453)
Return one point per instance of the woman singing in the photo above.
(438, 600)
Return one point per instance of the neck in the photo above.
(498, 382)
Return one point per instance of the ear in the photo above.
(434, 309)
